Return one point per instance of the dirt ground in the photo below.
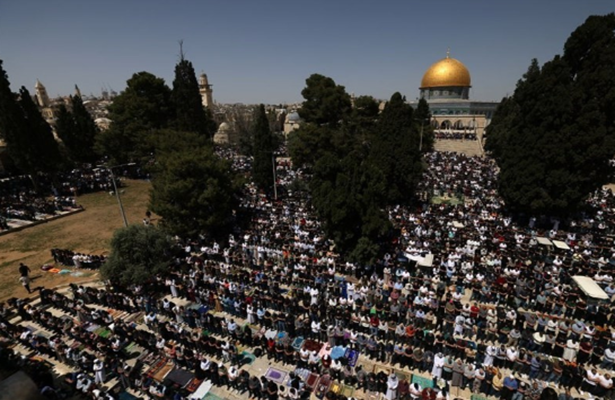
(89, 232)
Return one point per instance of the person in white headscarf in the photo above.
(392, 384)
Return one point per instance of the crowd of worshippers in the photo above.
(443, 134)
(21, 199)
(79, 260)
(495, 312)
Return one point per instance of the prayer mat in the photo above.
(157, 366)
(201, 391)
(129, 349)
(312, 345)
(275, 375)
(211, 396)
(336, 387)
(325, 350)
(248, 357)
(312, 380)
(297, 343)
(323, 386)
(347, 391)
(424, 382)
(302, 373)
(194, 385)
(162, 372)
(105, 333)
(180, 376)
(92, 328)
(127, 396)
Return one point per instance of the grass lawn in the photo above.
(89, 232)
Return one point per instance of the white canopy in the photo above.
(590, 287)
(426, 261)
(561, 245)
(544, 241)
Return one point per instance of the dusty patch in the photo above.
(88, 232)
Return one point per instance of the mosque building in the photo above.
(446, 88)
(206, 91)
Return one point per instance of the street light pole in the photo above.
(275, 178)
(117, 195)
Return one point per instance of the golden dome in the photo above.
(446, 73)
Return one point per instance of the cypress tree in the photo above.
(86, 131)
(262, 168)
(395, 149)
(28, 137)
(190, 115)
(38, 150)
(77, 130)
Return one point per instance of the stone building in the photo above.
(291, 122)
(206, 91)
(42, 99)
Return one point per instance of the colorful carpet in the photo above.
(312, 380)
(275, 375)
(211, 396)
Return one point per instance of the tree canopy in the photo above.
(138, 253)
(361, 162)
(144, 106)
(29, 138)
(554, 137)
(193, 190)
(325, 101)
(77, 131)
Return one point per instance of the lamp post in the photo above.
(275, 178)
(117, 193)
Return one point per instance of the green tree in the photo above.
(348, 194)
(193, 190)
(12, 123)
(190, 115)
(422, 116)
(308, 144)
(138, 253)
(86, 129)
(262, 167)
(29, 139)
(554, 137)
(325, 101)
(77, 131)
(143, 107)
(395, 150)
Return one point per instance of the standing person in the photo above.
(25, 281)
(24, 270)
(99, 372)
(392, 384)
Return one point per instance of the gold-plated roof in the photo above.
(445, 73)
